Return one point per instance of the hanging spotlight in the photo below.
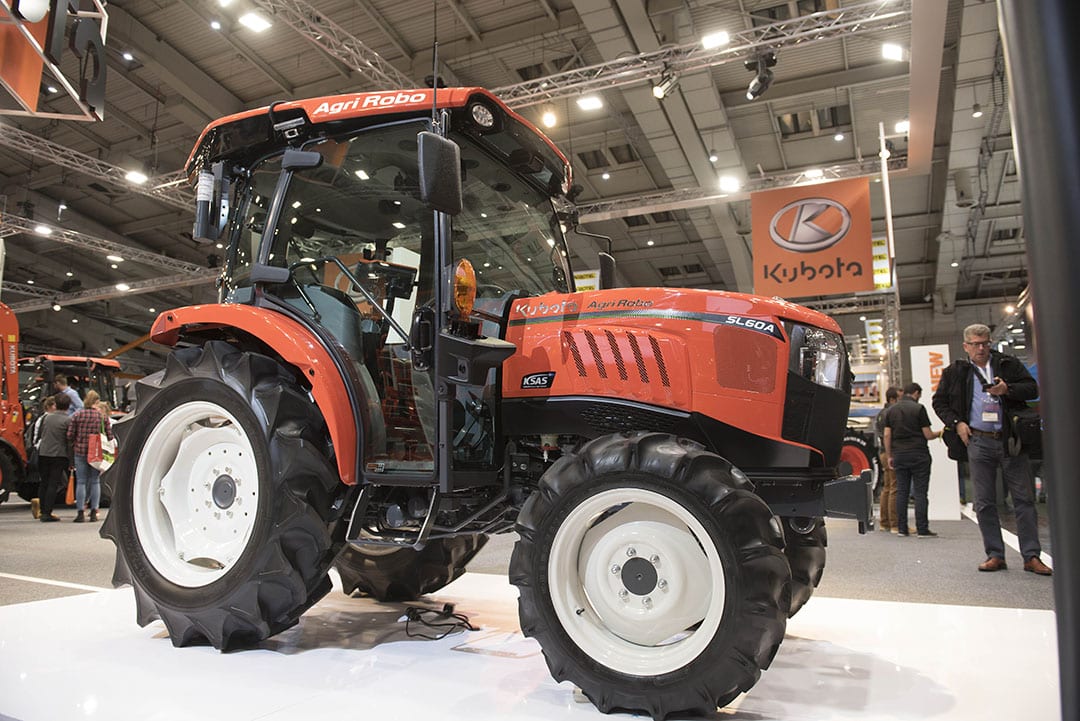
(548, 118)
(56, 305)
(976, 111)
(667, 83)
(763, 78)
(713, 157)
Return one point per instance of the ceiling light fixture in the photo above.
(763, 76)
(903, 126)
(590, 102)
(548, 118)
(838, 137)
(29, 281)
(254, 22)
(954, 264)
(43, 230)
(127, 56)
(650, 242)
(813, 173)
(56, 305)
(52, 89)
(74, 320)
(115, 258)
(713, 157)
(1010, 309)
(729, 184)
(976, 111)
(892, 51)
(606, 175)
(362, 174)
(123, 286)
(215, 25)
(136, 176)
(715, 40)
(667, 83)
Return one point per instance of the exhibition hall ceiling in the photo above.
(644, 162)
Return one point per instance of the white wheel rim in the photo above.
(195, 494)
(617, 620)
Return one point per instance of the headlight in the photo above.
(817, 355)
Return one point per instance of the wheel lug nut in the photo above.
(661, 584)
(654, 560)
(180, 555)
(623, 593)
(631, 552)
(646, 602)
(616, 569)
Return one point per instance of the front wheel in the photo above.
(805, 540)
(221, 494)
(652, 576)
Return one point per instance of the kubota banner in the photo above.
(813, 239)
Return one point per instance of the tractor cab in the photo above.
(336, 227)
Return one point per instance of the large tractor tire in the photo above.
(804, 545)
(652, 576)
(858, 450)
(221, 495)
(404, 574)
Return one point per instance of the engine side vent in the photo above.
(620, 364)
(572, 344)
(660, 361)
(596, 354)
(638, 358)
(613, 418)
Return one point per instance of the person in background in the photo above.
(84, 424)
(60, 382)
(888, 486)
(907, 429)
(54, 453)
(973, 398)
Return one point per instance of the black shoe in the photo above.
(927, 534)
(49, 519)
(902, 533)
(81, 518)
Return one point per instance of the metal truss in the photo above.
(13, 224)
(866, 17)
(85, 113)
(45, 299)
(172, 194)
(336, 41)
(682, 198)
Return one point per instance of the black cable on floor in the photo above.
(441, 622)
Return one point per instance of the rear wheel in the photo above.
(651, 575)
(403, 574)
(221, 497)
(804, 545)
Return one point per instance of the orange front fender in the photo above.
(296, 345)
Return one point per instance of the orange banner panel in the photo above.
(813, 239)
(20, 64)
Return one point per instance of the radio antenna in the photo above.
(434, 62)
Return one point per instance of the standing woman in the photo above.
(84, 424)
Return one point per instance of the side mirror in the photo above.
(440, 173)
(607, 270)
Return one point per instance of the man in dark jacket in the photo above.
(974, 398)
(907, 429)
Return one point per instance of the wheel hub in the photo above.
(639, 576)
(224, 491)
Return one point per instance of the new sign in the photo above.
(812, 240)
(33, 37)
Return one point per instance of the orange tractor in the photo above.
(13, 475)
(399, 366)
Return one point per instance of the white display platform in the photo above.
(85, 657)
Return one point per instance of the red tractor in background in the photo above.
(12, 426)
(83, 373)
(400, 366)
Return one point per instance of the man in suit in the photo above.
(974, 398)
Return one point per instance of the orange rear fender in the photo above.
(296, 345)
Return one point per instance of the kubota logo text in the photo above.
(810, 224)
(371, 100)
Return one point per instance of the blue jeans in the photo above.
(86, 475)
(984, 456)
(912, 479)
